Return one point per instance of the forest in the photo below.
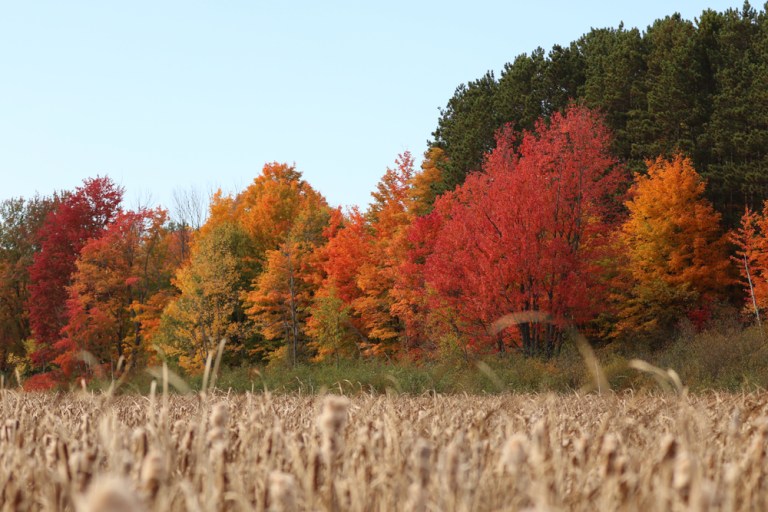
(614, 188)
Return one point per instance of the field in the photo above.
(98, 452)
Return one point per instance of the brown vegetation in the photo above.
(383, 452)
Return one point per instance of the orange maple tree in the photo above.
(676, 253)
(751, 258)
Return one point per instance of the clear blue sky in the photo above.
(171, 94)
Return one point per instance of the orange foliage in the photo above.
(751, 240)
(676, 253)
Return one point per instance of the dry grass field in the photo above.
(383, 452)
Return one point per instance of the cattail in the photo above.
(139, 443)
(451, 463)
(416, 500)
(81, 468)
(513, 454)
(734, 425)
(668, 448)
(51, 450)
(152, 473)
(581, 450)
(218, 424)
(422, 455)
(609, 452)
(110, 494)
(220, 415)
(541, 448)
(9, 429)
(282, 492)
(681, 478)
(331, 424)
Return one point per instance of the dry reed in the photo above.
(261, 452)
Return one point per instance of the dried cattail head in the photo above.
(139, 443)
(110, 494)
(681, 477)
(331, 424)
(540, 445)
(734, 425)
(514, 454)
(218, 423)
(51, 450)
(609, 451)
(85, 427)
(333, 417)
(152, 472)
(422, 455)
(220, 415)
(177, 430)
(81, 469)
(416, 500)
(707, 498)
(450, 466)
(8, 432)
(581, 450)
(282, 492)
(667, 448)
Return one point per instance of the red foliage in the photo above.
(527, 234)
(344, 254)
(41, 382)
(79, 217)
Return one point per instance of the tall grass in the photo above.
(264, 452)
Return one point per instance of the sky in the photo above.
(193, 95)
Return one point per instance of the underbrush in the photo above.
(728, 358)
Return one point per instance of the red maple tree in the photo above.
(528, 233)
(80, 216)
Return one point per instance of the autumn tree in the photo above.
(410, 293)
(362, 258)
(330, 329)
(425, 185)
(675, 250)
(209, 307)
(389, 217)
(528, 234)
(344, 252)
(252, 247)
(268, 208)
(119, 288)
(285, 218)
(751, 258)
(282, 294)
(78, 217)
(20, 219)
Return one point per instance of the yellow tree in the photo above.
(285, 217)
(330, 327)
(269, 208)
(425, 184)
(209, 306)
(676, 254)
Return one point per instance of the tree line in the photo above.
(537, 209)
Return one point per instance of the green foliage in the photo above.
(330, 328)
(728, 358)
(697, 87)
(210, 305)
